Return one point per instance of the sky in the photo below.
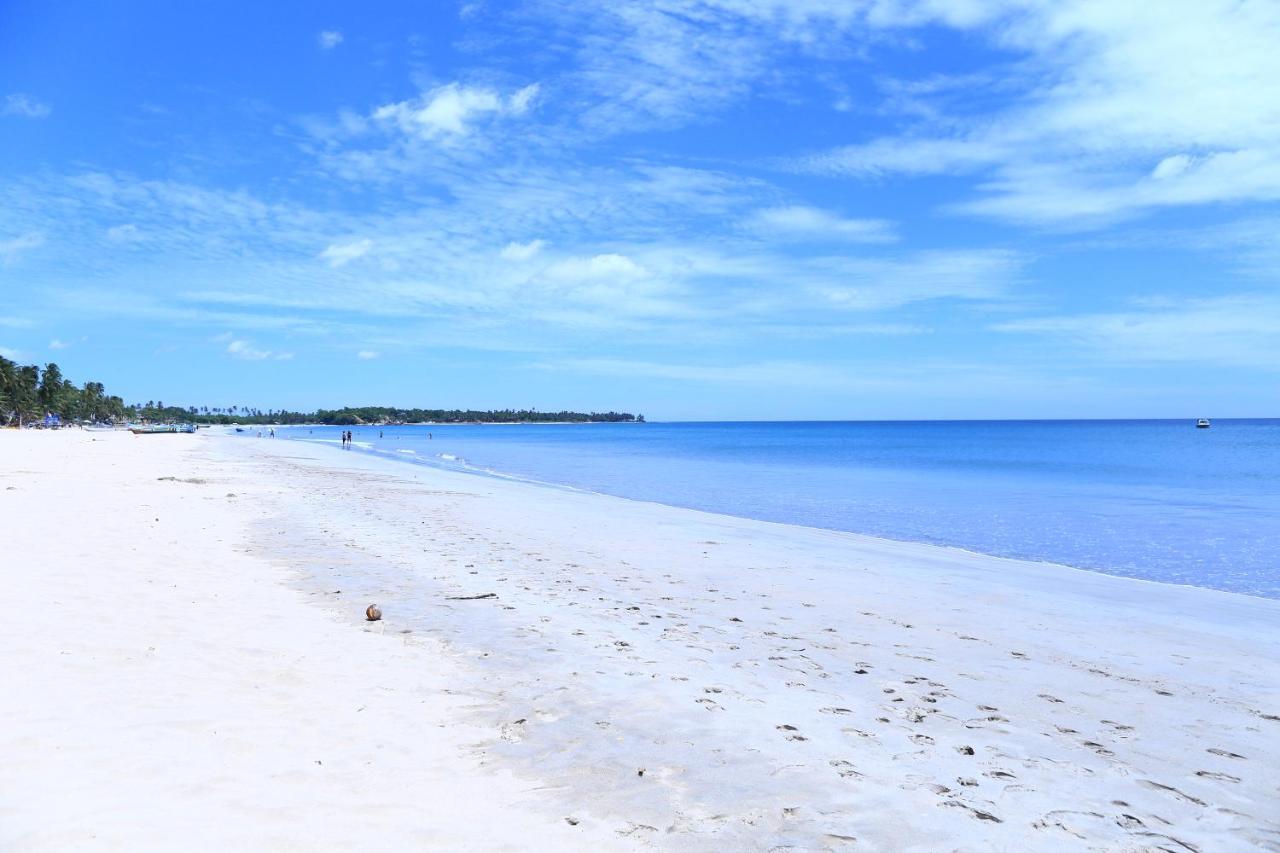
(693, 209)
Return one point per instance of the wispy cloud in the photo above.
(367, 354)
(56, 344)
(1239, 331)
(1119, 112)
(12, 248)
(126, 233)
(341, 254)
(521, 251)
(797, 222)
(868, 284)
(24, 106)
(246, 351)
(329, 39)
(451, 111)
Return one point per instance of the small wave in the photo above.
(449, 456)
(414, 452)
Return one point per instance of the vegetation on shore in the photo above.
(27, 394)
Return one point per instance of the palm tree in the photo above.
(50, 390)
(25, 394)
(8, 386)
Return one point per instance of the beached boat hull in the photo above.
(155, 430)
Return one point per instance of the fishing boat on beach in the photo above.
(152, 429)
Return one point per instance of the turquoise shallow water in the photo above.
(1158, 500)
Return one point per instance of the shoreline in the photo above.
(418, 460)
(776, 684)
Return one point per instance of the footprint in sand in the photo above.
(1098, 748)
(844, 768)
(1225, 754)
(1172, 791)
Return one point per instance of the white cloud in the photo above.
(864, 284)
(329, 39)
(450, 111)
(521, 251)
(519, 103)
(246, 351)
(12, 248)
(956, 377)
(1112, 110)
(341, 254)
(612, 267)
(906, 155)
(1171, 167)
(1240, 331)
(799, 222)
(11, 354)
(25, 106)
(57, 344)
(366, 355)
(126, 233)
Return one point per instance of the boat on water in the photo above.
(152, 429)
(1203, 423)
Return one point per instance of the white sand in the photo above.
(180, 679)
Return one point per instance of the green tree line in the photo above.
(384, 414)
(28, 393)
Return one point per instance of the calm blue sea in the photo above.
(1159, 500)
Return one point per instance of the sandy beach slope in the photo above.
(193, 670)
(165, 689)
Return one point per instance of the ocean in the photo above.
(1152, 499)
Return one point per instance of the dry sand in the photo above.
(186, 666)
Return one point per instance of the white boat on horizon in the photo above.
(1203, 423)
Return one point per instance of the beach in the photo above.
(189, 666)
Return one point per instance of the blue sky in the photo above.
(689, 208)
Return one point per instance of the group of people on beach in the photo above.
(346, 438)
